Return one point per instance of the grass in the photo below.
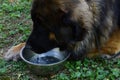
(15, 27)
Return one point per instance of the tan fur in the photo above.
(18, 47)
(13, 52)
(111, 47)
(52, 36)
(82, 13)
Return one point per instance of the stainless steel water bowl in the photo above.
(46, 63)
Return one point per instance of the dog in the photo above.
(85, 28)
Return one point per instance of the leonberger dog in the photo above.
(85, 28)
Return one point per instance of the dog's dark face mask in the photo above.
(52, 28)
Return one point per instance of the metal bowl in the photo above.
(46, 63)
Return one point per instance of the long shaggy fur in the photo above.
(76, 26)
(79, 25)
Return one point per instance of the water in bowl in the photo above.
(44, 59)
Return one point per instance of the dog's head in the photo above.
(57, 23)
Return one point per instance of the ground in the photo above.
(15, 27)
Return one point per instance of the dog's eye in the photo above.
(66, 18)
(60, 11)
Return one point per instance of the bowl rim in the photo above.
(31, 63)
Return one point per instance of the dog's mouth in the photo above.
(41, 50)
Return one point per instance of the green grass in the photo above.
(15, 27)
(15, 22)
